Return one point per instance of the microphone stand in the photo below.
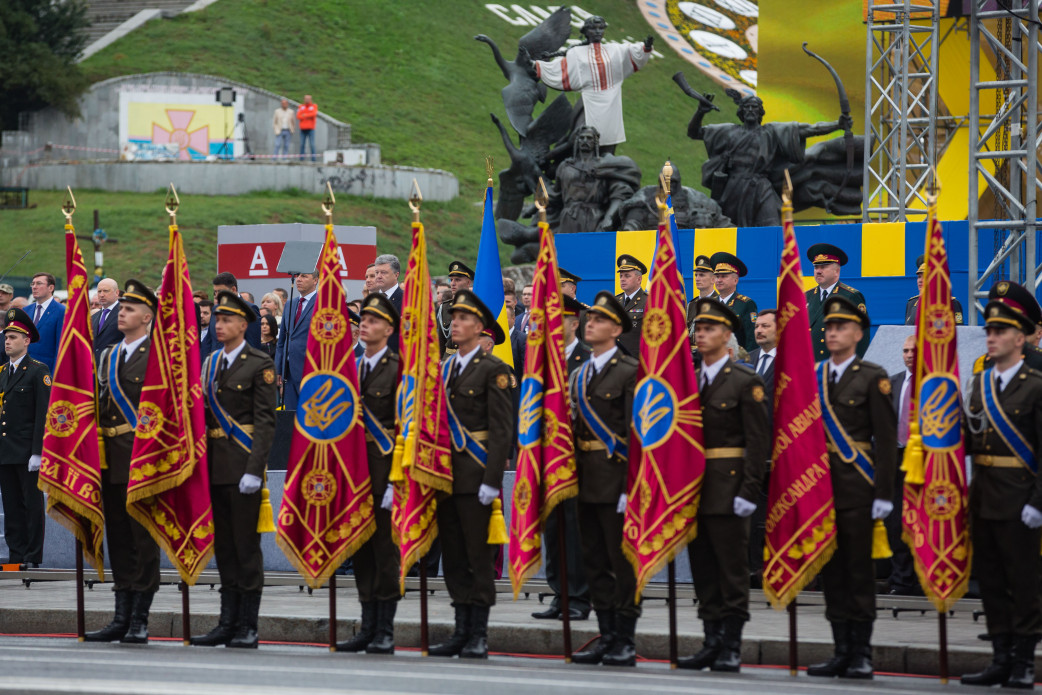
(287, 319)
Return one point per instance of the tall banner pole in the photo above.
(424, 634)
(332, 612)
(672, 601)
(80, 621)
(562, 563)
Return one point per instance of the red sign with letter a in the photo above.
(259, 260)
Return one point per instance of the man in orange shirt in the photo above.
(306, 114)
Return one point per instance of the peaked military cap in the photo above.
(724, 263)
(354, 318)
(628, 262)
(839, 309)
(1018, 297)
(702, 263)
(569, 277)
(378, 305)
(999, 314)
(232, 304)
(826, 253)
(459, 269)
(606, 304)
(571, 306)
(136, 292)
(920, 264)
(467, 301)
(714, 311)
(18, 320)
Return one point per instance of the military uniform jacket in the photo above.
(816, 315)
(1032, 358)
(580, 354)
(23, 411)
(378, 394)
(745, 309)
(448, 347)
(610, 394)
(131, 375)
(734, 415)
(864, 407)
(631, 340)
(693, 304)
(483, 401)
(996, 493)
(246, 390)
(912, 308)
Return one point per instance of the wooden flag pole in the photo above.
(672, 602)
(186, 619)
(942, 629)
(562, 559)
(332, 612)
(80, 619)
(424, 636)
(793, 648)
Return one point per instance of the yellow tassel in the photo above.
(397, 474)
(880, 543)
(266, 519)
(101, 451)
(497, 525)
(913, 461)
(410, 450)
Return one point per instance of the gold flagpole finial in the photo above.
(661, 196)
(328, 203)
(489, 167)
(933, 189)
(541, 199)
(786, 198)
(415, 199)
(172, 203)
(667, 172)
(68, 205)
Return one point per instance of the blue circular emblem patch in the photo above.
(327, 407)
(939, 412)
(654, 411)
(530, 415)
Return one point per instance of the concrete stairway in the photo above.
(106, 15)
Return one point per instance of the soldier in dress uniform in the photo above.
(1005, 434)
(633, 299)
(481, 411)
(603, 396)
(705, 286)
(827, 260)
(133, 553)
(461, 277)
(727, 268)
(376, 562)
(569, 288)
(25, 388)
(737, 446)
(861, 426)
(912, 305)
(239, 382)
(1021, 298)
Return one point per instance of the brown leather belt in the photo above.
(218, 433)
(864, 446)
(990, 461)
(725, 452)
(115, 431)
(590, 445)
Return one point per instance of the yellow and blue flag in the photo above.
(488, 278)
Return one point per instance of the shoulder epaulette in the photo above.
(629, 360)
(915, 296)
(978, 364)
(742, 297)
(746, 369)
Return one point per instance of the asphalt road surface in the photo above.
(55, 665)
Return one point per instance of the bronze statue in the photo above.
(692, 209)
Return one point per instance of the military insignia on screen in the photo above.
(758, 394)
(269, 376)
(884, 386)
(502, 381)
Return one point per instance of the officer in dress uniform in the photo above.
(133, 553)
(861, 427)
(633, 299)
(737, 446)
(1020, 297)
(827, 260)
(603, 397)
(25, 388)
(239, 382)
(705, 286)
(461, 277)
(912, 305)
(727, 268)
(481, 411)
(1005, 435)
(376, 562)
(569, 288)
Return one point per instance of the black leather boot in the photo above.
(1022, 673)
(596, 651)
(730, 658)
(999, 668)
(841, 656)
(366, 630)
(704, 657)
(120, 620)
(137, 633)
(246, 631)
(860, 666)
(477, 644)
(225, 628)
(623, 650)
(383, 638)
(459, 636)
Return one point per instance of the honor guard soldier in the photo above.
(376, 562)
(827, 260)
(912, 305)
(569, 288)
(861, 427)
(25, 389)
(633, 299)
(481, 419)
(705, 287)
(461, 277)
(1024, 301)
(603, 396)
(737, 446)
(1005, 435)
(728, 268)
(132, 552)
(239, 385)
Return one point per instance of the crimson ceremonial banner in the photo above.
(327, 507)
(667, 467)
(801, 518)
(935, 518)
(421, 450)
(546, 450)
(70, 469)
(169, 488)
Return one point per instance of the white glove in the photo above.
(620, 508)
(249, 484)
(486, 494)
(34, 463)
(1031, 517)
(881, 509)
(388, 499)
(743, 507)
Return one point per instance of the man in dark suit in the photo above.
(387, 269)
(293, 339)
(727, 269)
(521, 318)
(902, 580)
(633, 299)
(762, 360)
(48, 315)
(105, 322)
(827, 260)
(226, 282)
(25, 388)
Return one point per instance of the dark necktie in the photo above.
(998, 383)
(833, 377)
(764, 361)
(365, 370)
(104, 315)
(221, 367)
(39, 312)
(454, 373)
(300, 308)
(824, 295)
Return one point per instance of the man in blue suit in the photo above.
(105, 322)
(226, 282)
(48, 315)
(293, 339)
